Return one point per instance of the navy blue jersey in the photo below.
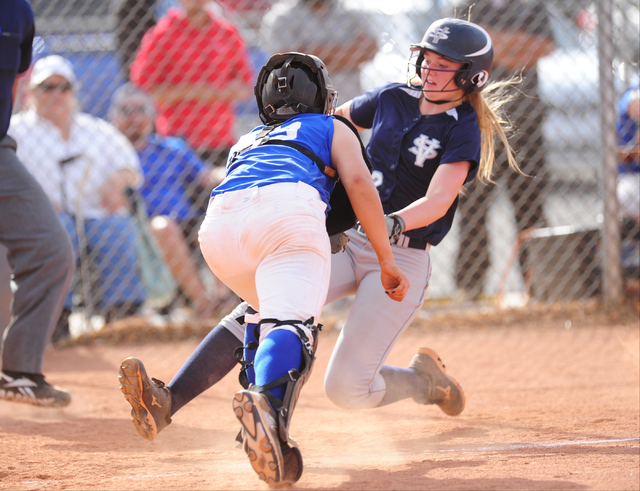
(16, 38)
(406, 148)
(253, 165)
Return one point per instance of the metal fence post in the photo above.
(612, 272)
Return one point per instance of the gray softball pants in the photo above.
(373, 325)
(41, 258)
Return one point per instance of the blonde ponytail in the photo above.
(491, 119)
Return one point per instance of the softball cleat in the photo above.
(261, 442)
(149, 398)
(443, 390)
(32, 389)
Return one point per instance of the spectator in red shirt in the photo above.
(195, 64)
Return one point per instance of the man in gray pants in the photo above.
(39, 250)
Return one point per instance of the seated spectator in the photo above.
(629, 178)
(170, 169)
(84, 165)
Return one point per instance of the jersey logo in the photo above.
(425, 148)
(440, 33)
(288, 132)
(255, 139)
(480, 78)
(377, 177)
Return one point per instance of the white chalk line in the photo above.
(518, 446)
(343, 458)
(115, 478)
(483, 448)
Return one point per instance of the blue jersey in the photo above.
(627, 129)
(16, 38)
(169, 166)
(252, 165)
(407, 147)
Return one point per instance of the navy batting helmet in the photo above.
(294, 83)
(461, 42)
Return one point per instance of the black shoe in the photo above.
(32, 389)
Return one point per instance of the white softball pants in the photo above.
(270, 246)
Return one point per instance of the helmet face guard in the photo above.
(461, 42)
(291, 84)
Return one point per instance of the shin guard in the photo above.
(295, 379)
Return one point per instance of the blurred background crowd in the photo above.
(131, 106)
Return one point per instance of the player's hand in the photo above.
(395, 283)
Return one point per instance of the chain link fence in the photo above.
(539, 238)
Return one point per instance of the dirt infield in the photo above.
(552, 406)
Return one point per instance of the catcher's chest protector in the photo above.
(341, 216)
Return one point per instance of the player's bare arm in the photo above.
(345, 111)
(443, 190)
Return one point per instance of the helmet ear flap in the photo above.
(462, 79)
(418, 65)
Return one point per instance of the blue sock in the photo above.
(250, 354)
(278, 353)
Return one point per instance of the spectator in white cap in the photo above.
(84, 165)
(50, 66)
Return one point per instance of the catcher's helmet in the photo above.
(293, 83)
(462, 42)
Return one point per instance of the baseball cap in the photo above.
(129, 94)
(52, 65)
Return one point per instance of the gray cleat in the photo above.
(443, 390)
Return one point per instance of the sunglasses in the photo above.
(131, 110)
(63, 87)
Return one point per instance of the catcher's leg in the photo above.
(283, 363)
(212, 360)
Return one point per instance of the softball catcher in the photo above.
(265, 236)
